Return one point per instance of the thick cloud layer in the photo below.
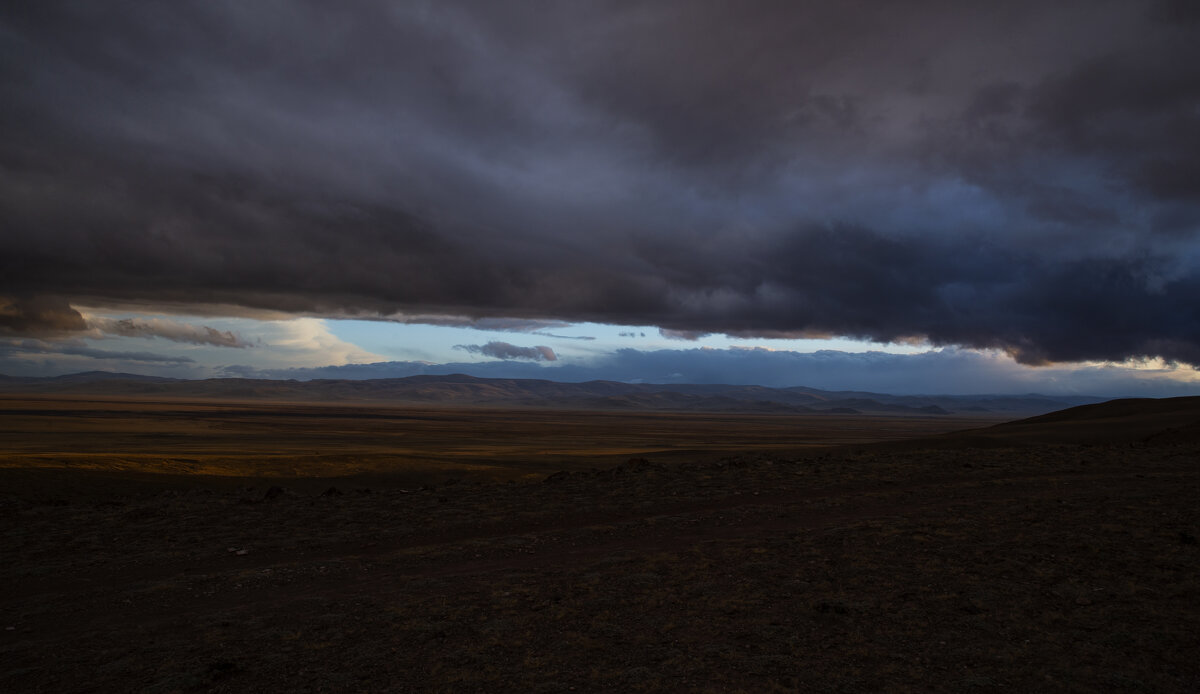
(1021, 176)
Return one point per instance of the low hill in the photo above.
(461, 390)
(1133, 420)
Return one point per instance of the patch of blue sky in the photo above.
(573, 342)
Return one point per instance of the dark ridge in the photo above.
(1132, 420)
(465, 390)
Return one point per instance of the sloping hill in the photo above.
(1134, 420)
(470, 391)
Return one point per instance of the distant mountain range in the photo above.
(461, 390)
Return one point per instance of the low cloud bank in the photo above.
(504, 350)
(38, 317)
(47, 349)
(54, 318)
(167, 330)
(949, 371)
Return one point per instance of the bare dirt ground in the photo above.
(938, 566)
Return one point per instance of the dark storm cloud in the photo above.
(76, 348)
(504, 350)
(1020, 176)
(39, 316)
(505, 325)
(53, 317)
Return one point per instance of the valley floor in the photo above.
(1030, 568)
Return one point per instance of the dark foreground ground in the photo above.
(954, 565)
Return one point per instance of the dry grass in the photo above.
(258, 439)
(1043, 568)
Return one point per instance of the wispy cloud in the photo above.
(78, 348)
(504, 350)
(685, 335)
(54, 318)
(584, 338)
(167, 330)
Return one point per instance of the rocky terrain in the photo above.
(1043, 555)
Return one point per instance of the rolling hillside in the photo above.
(1132, 420)
(461, 390)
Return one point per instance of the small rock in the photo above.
(273, 493)
(332, 491)
(834, 606)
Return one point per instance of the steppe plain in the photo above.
(174, 545)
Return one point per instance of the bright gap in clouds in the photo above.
(572, 342)
(195, 346)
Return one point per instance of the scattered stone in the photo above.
(221, 669)
(637, 465)
(831, 606)
(273, 493)
(332, 491)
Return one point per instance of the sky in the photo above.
(924, 196)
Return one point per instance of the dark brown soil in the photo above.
(1048, 568)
